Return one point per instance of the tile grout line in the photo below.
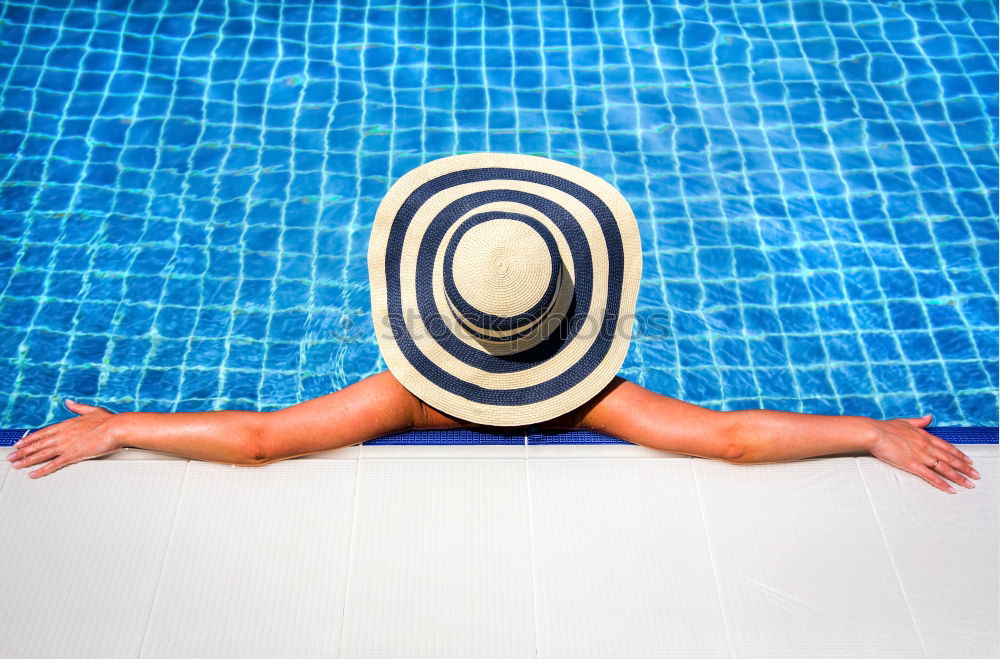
(892, 560)
(350, 551)
(711, 556)
(531, 541)
(166, 555)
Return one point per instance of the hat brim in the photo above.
(437, 361)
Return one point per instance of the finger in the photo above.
(932, 478)
(81, 408)
(54, 465)
(37, 458)
(950, 449)
(32, 436)
(46, 431)
(922, 422)
(964, 464)
(26, 447)
(31, 449)
(947, 468)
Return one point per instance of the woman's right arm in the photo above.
(375, 406)
(221, 436)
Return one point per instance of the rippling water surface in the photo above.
(186, 192)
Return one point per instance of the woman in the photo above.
(379, 405)
(503, 294)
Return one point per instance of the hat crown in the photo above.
(502, 268)
(502, 276)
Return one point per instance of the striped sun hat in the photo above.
(503, 286)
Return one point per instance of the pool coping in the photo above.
(537, 437)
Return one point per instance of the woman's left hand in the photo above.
(905, 444)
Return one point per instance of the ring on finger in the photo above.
(936, 463)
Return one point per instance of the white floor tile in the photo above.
(257, 563)
(81, 551)
(622, 566)
(946, 550)
(803, 567)
(440, 563)
(462, 551)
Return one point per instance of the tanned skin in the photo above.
(380, 405)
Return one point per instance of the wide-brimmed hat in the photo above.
(503, 286)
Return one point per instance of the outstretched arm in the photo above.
(379, 405)
(635, 414)
(375, 406)
(626, 410)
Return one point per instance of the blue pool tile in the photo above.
(941, 405)
(871, 315)
(768, 351)
(87, 349)
(41, 381)
(980, 405)
(980, 311)
(27, 283)
(160, 383)
(27, 406)
(96, 318)
(822, 405)
(82, 381)
(797, 319)
(175, 322)
(199, 384)
(852, 379)
(735, 381)
(865, 125)
(954, 343)
(700, 384)
(844, 347)
(56, 315)
(777, 383)
(46, 347)
(881, 346)
(206, 353)
(835, 317)
(944, 315)
(166, 353)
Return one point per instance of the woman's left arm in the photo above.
(628, 411)
(774, 436)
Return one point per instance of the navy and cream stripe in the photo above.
(445, 367)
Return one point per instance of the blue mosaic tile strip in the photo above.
(966, 435)
(186, 196)
(572, 437)
(952, 434)
(443, 437)
(8, 437)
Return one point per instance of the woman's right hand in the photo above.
(73, 440)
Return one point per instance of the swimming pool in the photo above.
(186, 194)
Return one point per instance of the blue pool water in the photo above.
(186, 193)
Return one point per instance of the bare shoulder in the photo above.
(377, 405)
(629, 411)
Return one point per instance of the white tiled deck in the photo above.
(497, 551)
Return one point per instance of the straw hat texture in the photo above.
(503, 286)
